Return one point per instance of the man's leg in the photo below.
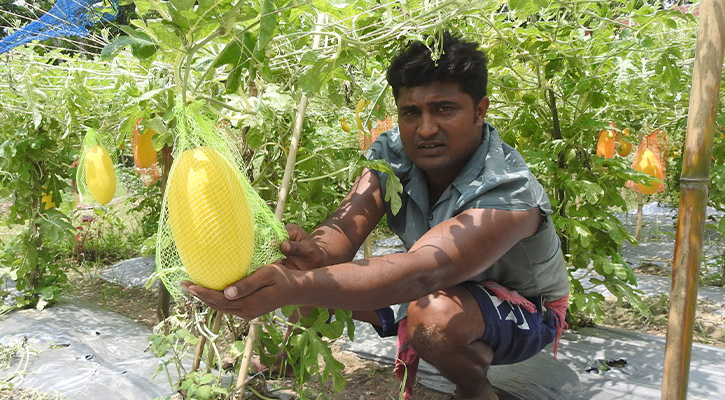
(445, 328)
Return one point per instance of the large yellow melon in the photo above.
(649, 164)
(100, 174)
(210, 220)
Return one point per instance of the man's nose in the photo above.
(428, 125)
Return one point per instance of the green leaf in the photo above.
(142, 47)
(206, 378)
(203, 392)
(267, 26)
(332, 330)
(143, 6)
(393, 189)
(528, 6)
(312, 80)
(237, 52)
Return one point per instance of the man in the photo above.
(483, 275)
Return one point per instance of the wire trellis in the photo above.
(392, 22)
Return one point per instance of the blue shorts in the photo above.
(514, 333)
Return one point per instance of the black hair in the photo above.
(460, 62)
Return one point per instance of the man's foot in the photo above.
(486, 392)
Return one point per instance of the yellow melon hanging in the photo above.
(210, 220)
(144, 154)
(650, 165)
(100, 174)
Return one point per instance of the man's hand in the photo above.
(301, 252)
(265, 290)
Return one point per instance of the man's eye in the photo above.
(445, 108)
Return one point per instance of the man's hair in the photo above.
(460, 62)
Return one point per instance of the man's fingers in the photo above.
(215, 299)
(295, 232)
(290, 248)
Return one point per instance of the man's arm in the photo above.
(339, 237)
(450, 253)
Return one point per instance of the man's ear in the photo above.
(481, 110)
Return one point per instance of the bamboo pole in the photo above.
(279, 212)
(694, 191)
(164, 305)
(638, 227)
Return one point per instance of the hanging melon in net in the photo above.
(96, 175)
(145, 159)
(214, 228)
(651, 158)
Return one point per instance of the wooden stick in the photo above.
(164, 305)
(200, 346)
(638, 227)
(368, 247)
(279, 213)
(694, 191)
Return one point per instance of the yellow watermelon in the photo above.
(210, 220)
(100, 174)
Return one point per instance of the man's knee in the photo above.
(430, 324)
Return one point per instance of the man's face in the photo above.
(440, 127)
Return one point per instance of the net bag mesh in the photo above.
(96, 175)
(214, 228)
(66, 18)
(658, 144)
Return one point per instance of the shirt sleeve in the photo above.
(505, 182)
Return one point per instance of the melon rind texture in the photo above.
(210, 220)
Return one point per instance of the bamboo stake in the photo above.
(199, 351)
(368, 247)
(638, 227)
(694, 191)
(162, 311)
(279, 213)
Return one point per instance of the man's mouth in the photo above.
(429, 145)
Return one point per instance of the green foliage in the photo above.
(309, 344)
(559, 74)
(34, 162)
(45, 111)
(307, 349)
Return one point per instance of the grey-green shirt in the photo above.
(497, 177)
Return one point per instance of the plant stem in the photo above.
(556, 135)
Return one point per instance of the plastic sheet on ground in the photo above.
(82, 352)
(581, 370)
